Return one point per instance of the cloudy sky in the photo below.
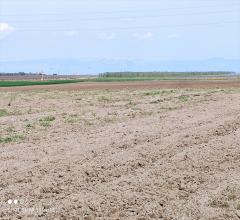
(119, 29)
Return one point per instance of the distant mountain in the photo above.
(94, 66)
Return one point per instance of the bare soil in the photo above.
(164, 84)
(120, 154)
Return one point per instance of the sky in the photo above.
(119, 29)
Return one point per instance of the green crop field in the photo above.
(14, 83)
(31, 83)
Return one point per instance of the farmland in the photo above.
(31, 80)
(144, 150)
(145, 84)
(32, 83)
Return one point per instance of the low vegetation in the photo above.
(72, 118)
(46, 121)
(10, 138)
(183, 98)
(103, 99)
(152, 93)
(31, 83)
(3, 112)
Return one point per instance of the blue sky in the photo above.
(119, 29)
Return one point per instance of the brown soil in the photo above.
(166, 84)
(126, 154)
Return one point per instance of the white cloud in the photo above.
(5, 29)
(107, 36)
(72, 33)
(172, 36)
(143, 36)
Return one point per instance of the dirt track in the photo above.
(139, 154)
(167, 84)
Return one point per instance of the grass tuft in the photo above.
(103, 99)
(152, 93)
(237, 206)
(71, 119)
(9, 139)
(3, 113)
(46, 121)
(183, 98)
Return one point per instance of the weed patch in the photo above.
(11, 138)
(152, 93)
(71, 119)
(46, 121)
(183, 98)
(3, 112)
(103, 99)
